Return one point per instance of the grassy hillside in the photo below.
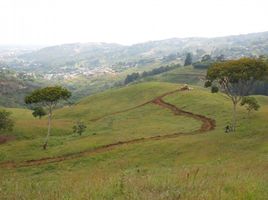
(211, 165)
(185, 74)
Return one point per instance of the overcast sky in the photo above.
(50, 22)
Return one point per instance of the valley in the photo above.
(149, 127)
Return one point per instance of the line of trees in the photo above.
(135, 76)
(207, 61)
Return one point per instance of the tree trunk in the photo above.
(49, 127)
(234, 116)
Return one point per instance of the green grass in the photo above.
(214, 165)
(184, 74)
(28, 127)
(114, 100)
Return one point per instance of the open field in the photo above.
(211, 165)
(183, 74)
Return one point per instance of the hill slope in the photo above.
(89, 68)
(13, 89)
(80, 57)
(212, 165)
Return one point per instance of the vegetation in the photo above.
(80, 67)
(69, 57)
(251, 103)
(202, 65)
(236, 78)
(148, 140)
(13, 87)
(261, 88)
(79, 127)
(229, 167)
(6, 122)
(183, 74)
(207, 60)
(135, 76)
(188, 59)
(49, 97)
(132, 77)
(39, 112)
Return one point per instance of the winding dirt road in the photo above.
(207, 125)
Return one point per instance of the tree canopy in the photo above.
(48, 95)
(188, 60)
(236, 78)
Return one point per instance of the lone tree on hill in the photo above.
(188, 60)
(236, 78)
(48, 97)
(6, 123)
(251, 103)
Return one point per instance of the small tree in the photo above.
(220, 58)
(251, 103)
(131, 77)
(206, 58)
(39, 112)
(48, 97)
(236, 78)
(188, 59)
(79, 127)
(6, 122)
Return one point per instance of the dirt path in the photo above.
(207, 125)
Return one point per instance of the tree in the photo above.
(188, 60)
(48, 97)
(39, 112)
(79, 127)
(206, 58)
(236, 78)
(251, 103)
(6, 122)
(132, 77)
(220, 58)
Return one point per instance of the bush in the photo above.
(6, 122)
(79, 127)
(39, 112)
(251, 104)
(214, 89)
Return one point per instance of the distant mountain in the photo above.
(92, 67)
(70, 53)
(114, 56)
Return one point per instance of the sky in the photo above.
(49, 22)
